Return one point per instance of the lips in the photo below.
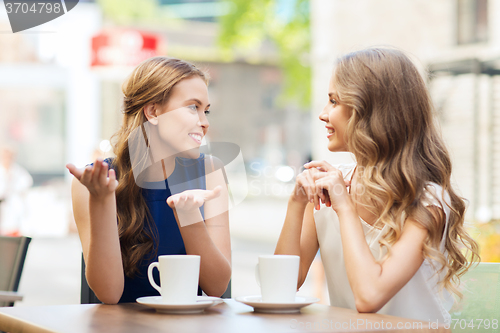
(330, 131)
(196, 137)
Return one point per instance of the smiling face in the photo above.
(336, 116)
(182, 122)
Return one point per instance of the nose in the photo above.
(323, 116)
(203, 122)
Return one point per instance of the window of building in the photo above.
(472, 19)
(32, 121)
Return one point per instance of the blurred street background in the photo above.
(269, 62)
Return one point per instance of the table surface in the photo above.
(230, 316)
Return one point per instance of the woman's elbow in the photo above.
(110, 300)
(365, 307)
(218, 288)
(301, 280)
(108, 297)
(368, 302)
(108, 294)
(217, 291)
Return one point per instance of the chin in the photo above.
(193, 153)
(337, 149)
(333, 148)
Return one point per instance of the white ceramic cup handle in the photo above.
(257, 274)
(150, 275)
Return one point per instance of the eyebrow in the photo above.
(197, 101)
(333, 95)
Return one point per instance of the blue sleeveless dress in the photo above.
(188, 174)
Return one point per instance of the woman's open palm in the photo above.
(95, 178)
(192, 199)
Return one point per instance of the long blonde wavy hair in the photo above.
(395, 140)
(150, 82)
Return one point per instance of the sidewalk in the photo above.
(51, 272)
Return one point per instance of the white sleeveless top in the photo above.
(421, 298)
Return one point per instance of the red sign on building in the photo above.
(123, 47)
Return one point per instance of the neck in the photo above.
(160, 170)
(168, 166)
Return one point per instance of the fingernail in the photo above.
(328, 204)
(317, 207)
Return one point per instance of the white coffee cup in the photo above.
(277, 276)
(179, 276)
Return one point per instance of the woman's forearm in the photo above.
(104, 268)
(374, 283)
(298, 236)
(362, 269)
(215, 267)
(289, 240)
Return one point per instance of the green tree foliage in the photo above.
(129, 11)
(253, 22)
(248, 26)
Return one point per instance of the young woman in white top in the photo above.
(390, 227)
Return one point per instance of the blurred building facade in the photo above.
(58, 106)
(243, 93)
(48, 100)
(48, 95)
(458, 43)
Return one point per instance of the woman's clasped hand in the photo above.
(320, 182)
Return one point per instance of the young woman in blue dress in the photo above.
(159, 195)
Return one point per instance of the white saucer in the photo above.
(268, 307)
(216, 300)
(202, 302)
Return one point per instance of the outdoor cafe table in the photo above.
(230, 316)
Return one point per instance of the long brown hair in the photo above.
(394, 138)
(150, 82)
